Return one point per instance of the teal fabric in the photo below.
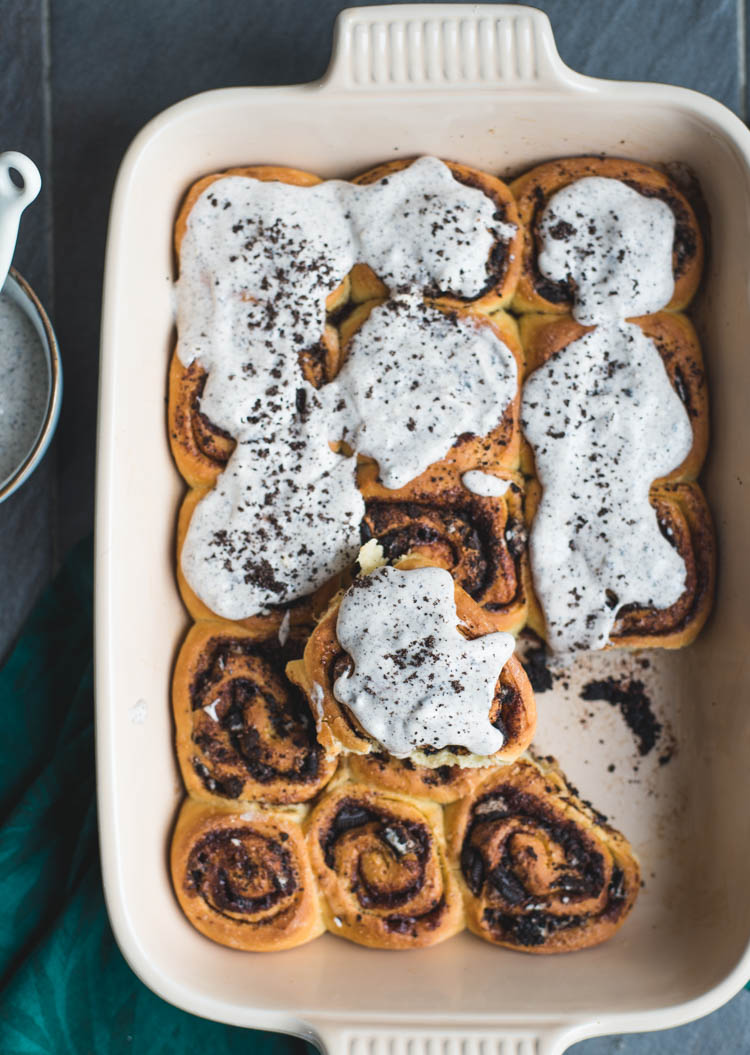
(64, 986)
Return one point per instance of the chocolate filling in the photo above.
(222, 868)
(231, 743)
(464, 532)
(583, 873)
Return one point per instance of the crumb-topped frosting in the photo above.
(257, 262)
(429, 375)
(613, 245)
(604, 421)
(417, 681)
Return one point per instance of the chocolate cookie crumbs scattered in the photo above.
(630, 696)
(535, 664)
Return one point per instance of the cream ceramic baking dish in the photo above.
(482, 85)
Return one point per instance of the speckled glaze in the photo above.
(36, 382)
(24, 385)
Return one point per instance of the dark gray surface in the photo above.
(80, 77)
(27, 519)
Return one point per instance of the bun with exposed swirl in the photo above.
(533, 190)
(540, 870)
(244, 732)
(513, 708)
(480, 539)
(380, 863)
(244, 879)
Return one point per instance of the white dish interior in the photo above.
(683, 951)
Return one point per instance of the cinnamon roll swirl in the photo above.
(200, 448)
(480, 539)
(676, 342)
(380, 863)
(534, 189)
(243, 731)
(500, 448)
(301, 613)
(540, 871)
(685, 521)
(503, 266)
(512, 711)
(244, 879)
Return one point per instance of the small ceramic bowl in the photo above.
(18, 290)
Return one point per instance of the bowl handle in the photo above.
(443, 46)
(338, 1039)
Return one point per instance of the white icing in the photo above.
(484, 484)
(257, 263)
(210, 709)
(614, 243)
(414, 380)
(401, 223)
(370, 557)
(284, 629)
(604, 421)
(416, 680)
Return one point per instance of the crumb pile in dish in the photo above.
(496, 391)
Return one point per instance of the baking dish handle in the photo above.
(441, 46)
(338, 1039)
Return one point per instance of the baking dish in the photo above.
(483, 85)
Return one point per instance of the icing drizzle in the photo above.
(258, 261)
(613, 244)
(603, 418)
(416, 680)
(604, 421)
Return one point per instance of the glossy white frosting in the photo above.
(603, 421)
(415, 379)
(257, 262)
(416, 680)
(614, 243)
(485, 484)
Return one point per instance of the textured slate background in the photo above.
(78, 80)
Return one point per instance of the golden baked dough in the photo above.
(534, 189)
(244, 878)
(481, 541)
(442, 784)
(540, 870)
(379, 860)
(243, 732)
